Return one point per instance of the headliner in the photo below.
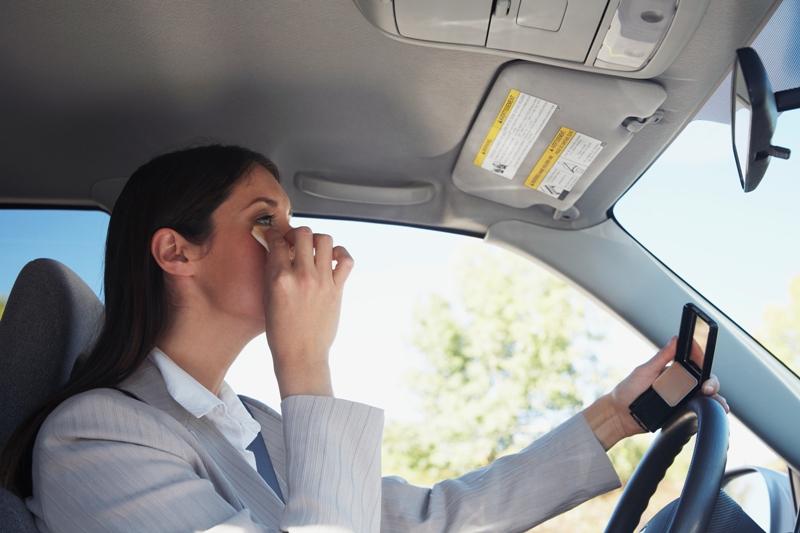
(94, 89)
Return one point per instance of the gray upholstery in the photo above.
(51, 317)
(14, 516)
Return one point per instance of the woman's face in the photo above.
(231, 272)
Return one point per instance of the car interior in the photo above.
(519, 122)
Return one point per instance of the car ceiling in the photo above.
(92, 90)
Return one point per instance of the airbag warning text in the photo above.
(516, 128)
(563, 163)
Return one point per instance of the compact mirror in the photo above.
(697, 352)
(680, 379)
(754, 115)
(696, 342)
(694, 355)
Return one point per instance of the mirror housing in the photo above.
(754, 115)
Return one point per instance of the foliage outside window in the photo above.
(511, 357)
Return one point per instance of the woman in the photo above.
(148, 437)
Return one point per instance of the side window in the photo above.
(73, 237)
(472, 352)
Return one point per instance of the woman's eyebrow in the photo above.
(268, 201)
(264, 199)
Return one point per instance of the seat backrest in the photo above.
(14, 516)
(51, 317)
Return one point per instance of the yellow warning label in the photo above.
(494, 131)
(549, 158)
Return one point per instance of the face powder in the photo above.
(674, 384)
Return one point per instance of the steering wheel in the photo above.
(703, 416)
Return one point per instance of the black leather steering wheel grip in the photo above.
(705, 417)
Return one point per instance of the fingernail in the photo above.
(708, 389)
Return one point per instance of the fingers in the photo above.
(344, 265)
(323, 252)
(279, 253)
(664, 355)
(302, 240)
(311, 250)
(723, 402)
(711, 386)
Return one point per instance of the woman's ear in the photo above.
(172, 252)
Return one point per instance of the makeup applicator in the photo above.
(257, 235)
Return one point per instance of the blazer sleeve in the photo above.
(514, 493)
(333, 469)
(101, 464)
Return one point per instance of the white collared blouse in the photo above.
(226, 412)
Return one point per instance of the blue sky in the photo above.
(739, 250)
(77, 238)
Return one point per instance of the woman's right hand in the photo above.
(302, 303)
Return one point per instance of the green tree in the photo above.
(501, 361)
(781, 331)
(2, 306)
(507, 359)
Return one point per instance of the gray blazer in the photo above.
(106, 462)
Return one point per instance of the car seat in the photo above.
(51, 317)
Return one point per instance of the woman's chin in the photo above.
(257, 329)
(251, 325)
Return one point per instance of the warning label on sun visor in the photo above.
(563, 163)
(519, 123)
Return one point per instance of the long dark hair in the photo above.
(179, 190)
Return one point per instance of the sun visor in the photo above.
(544, 134)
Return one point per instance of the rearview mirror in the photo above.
(754, 115)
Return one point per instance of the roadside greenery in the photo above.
(2, 306)
(781, 331)
(497, 364)
(505, 362)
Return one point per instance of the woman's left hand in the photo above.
(610, 416)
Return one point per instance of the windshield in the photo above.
(740, 251)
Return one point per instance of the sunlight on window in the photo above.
(471, 350)
(690, 212)
(73, 237)
(439, 329)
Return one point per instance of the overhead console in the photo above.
(632, 38)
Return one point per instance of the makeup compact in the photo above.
(684, 376)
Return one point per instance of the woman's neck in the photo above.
(202, 345)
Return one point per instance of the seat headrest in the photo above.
(50, 318)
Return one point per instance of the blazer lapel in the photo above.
(250, 487)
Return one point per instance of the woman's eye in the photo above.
(265, 220)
